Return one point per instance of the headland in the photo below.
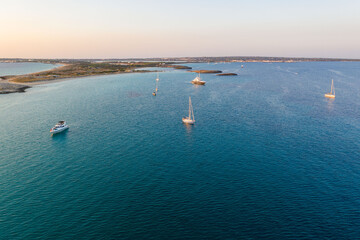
(75, 69)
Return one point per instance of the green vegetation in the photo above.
(180, 67)
(83, 69)
(75, 69)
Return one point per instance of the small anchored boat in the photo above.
(331, 94)
(157, 78)
(156, 85)
(191, 118)
(59, 127)
(198, 80)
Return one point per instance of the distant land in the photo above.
(185, 59)
(74, 68)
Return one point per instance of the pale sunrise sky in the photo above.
(159, 28)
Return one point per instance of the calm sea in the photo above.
(23, 68)
(269, 156)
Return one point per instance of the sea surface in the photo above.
(23, 68)
(269, 157)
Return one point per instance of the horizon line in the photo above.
(126, 58)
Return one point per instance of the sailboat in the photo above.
(157, 78)
(156, 85)
(191, 118)
(198, 80)
(331, 94)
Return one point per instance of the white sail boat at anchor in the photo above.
(198, 80)
(331, 94)
(156, 85)
(191, 118)
(157, 78)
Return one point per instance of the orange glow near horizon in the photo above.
(109, 29)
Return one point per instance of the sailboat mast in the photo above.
(192, 110)
(156, 83)
(189, 107)
(332, 84)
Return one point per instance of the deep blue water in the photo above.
(269, 156)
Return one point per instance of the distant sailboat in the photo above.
(156, 86)
(157, 78)
(191, 118)
(331, 94)
(198, 80)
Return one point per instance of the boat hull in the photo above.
(188, 121)
(329, 96)
(198, 82)
(59, 130)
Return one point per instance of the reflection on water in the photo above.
(59, 136)
(198, 86)
(188, 128)
(330, 104)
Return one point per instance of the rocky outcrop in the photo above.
(181, 67)
(6, 88)
(226, 74)
(206, 71)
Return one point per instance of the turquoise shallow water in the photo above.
(23, 68)
(269, 156)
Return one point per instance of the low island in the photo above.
(82, 69)
(66, 70)
(226, 74)
(206, 71)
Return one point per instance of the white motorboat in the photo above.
(59, 127)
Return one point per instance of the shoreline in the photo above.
(41, 82)
(8, 86)
(15, 87)
(69, 71)
(10, 80)
(79, 69)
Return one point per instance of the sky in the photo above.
(167, 28)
